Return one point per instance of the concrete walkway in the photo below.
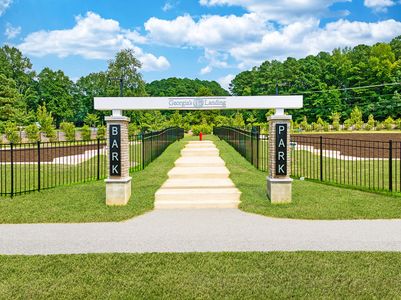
(201, 231)
(200, 179)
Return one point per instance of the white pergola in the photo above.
(118, 188)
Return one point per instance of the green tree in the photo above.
(32, 132)
(46, 122)
(9, 99)
(238, 120)
(69, 130)
(12, 132)
(126, 66)
(86, 133)
(88, 87)
(91, 120)
(56, 90)
(335, 117)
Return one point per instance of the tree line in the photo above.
(333, 85)
(330, 82)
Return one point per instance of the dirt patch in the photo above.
(366, 145)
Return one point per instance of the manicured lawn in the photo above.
(86, 202)
(310, 200)
(272, 275)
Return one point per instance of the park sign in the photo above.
(281, 149)
(198, 103)
(115, 150)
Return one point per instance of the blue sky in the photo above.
(206, 39)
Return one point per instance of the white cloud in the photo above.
(283, 11)
(167, 6)
(379, 5)
(4, 4)
(304, 38)
(251, 39)
(93, 38)
(206, 70)
(225, 81)
(12, 32)
(208, 31)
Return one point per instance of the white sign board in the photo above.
(198, 103)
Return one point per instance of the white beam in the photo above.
(198, 103)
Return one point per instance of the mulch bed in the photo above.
(47, 154)
(366, 145)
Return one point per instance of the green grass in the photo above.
(272, 275)
(86, 202)
(310, 200)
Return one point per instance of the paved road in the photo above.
(201, 231)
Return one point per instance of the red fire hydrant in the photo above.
(200, 136)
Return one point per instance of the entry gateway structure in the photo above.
(118, 183)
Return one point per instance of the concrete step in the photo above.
(199, 172)
(199, 146)
(200, 142)
(202, 161)
(198, 204)
(200, 152)
(194, 194)
(177, 183)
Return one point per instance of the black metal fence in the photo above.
(370, 165)
(154, 143)
(37, 166)
(245, 142)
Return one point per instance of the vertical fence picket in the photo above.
(390, 165)
(12, 168)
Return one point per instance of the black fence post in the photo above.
(12, 168)
(257, 146)
(390, 165)
(143, 149)
(38, 166)
(321, 158)
(252, 141)
(98, 159)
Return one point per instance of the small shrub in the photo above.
(187, 127)
(304, 125)
(356, 115)
(69, 130)
(358, 125)
(91, 120)
(46, 122)
(380, 126)
(388, 123)
(86, 133)
(101, 132)
(335, 117)
(398, 123)
(371, 123)
(347, 124)
(12, 133)
(238, 120)
(133, 129)
(204, 128)
(32, 132)
(317, 126)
